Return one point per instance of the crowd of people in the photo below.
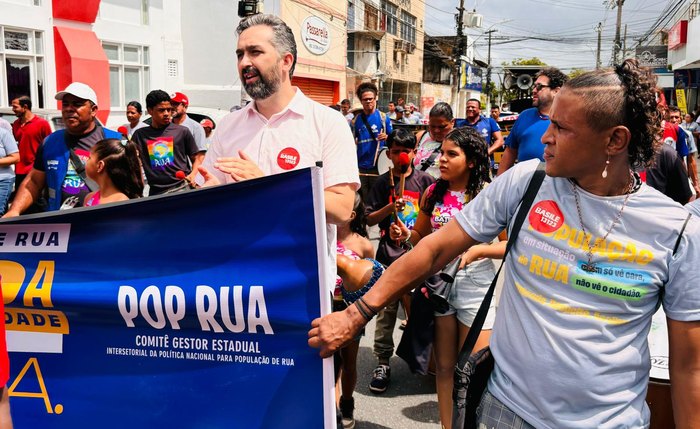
(566, 355)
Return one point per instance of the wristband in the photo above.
(369, 307)
(408, 237)
(362, 311)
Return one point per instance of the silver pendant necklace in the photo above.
(590, 266)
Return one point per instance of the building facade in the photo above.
(684, 55)
(385, 45)
(126, 48)
(319, 29)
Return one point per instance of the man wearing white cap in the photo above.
(59, 165)
(180, 103)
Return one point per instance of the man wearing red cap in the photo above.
(208, 126)
(179, 103)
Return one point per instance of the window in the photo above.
(351, 15)
(408, 27)
(392, 17)
(144, 12)
(21, 55)
(129, 73)
(172, 68)
(371, 18)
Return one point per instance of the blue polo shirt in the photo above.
(485, 126)
(526, 135)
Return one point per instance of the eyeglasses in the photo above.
(539, 86)
(367, 100)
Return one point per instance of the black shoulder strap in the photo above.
(369, 129)
(427, 162)
(680, 234)
(79, 167)
(474, 331)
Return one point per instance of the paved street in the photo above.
(410, 401)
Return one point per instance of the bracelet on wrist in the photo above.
(373, 310)
(362, 311)
(408, 237)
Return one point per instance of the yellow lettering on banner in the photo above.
(42, 394)
(12, 278)
(34, 291)
(32, 320)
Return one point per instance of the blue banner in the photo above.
(470, 76)
(185, 311)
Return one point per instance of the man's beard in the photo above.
(265, 86)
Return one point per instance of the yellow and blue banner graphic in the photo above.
(187, 311)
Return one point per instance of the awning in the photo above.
(80, 58)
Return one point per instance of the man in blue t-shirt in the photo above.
(371, 128)
(487, 127)
(525, 139)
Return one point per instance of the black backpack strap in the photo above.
(79, 167)
(532, 188)
(427, 162)
(680, 234)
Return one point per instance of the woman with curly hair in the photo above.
(464, 171)
(598, 252)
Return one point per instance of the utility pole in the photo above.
(624, 45)
(457, 54)
(599, 29)
(618, 44)
(488, 68)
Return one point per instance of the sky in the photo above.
(568, 27)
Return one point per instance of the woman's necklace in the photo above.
(590, 266)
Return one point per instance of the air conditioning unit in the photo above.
(473, 20)
(410, 47)
(400, 45)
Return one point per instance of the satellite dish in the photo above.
(509, 81)
(524, 82)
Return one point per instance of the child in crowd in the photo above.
(464, 171)
(382, 209)
(114, 165)
(352, 242)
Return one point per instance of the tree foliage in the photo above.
(576, 72)
(534, 61)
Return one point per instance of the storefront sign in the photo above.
(680, 100)
(678, 35)
(315, 35)
(652, 56)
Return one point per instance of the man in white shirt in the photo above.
(282, 129)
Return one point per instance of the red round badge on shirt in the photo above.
(288, 158)
(546, 217)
